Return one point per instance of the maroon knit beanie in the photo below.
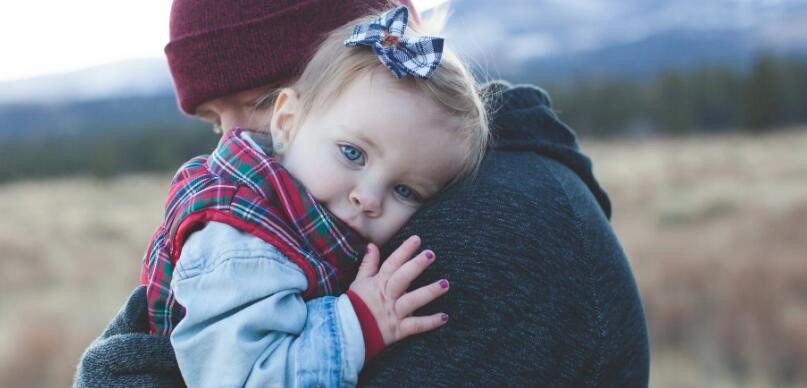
(221, 47)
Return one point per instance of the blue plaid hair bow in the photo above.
(419, 56)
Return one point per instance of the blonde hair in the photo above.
(334, 66)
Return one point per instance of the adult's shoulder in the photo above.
(125, 355)
(523, 94)
(542, 293)
(522, 120)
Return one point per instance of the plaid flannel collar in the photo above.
(234, 159)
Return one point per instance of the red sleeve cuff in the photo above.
(373, 340)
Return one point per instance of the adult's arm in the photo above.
(125, 355)
(541, 291)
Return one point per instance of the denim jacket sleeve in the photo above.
(246, 323)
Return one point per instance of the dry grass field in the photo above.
(715, 230)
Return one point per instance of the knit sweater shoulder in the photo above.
(542, 293)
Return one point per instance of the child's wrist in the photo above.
(373, 339)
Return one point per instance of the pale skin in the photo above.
(373, 181)
(234, 110)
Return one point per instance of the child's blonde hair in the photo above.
(334, 66)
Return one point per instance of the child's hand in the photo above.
(384, 291)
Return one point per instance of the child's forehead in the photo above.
(379, 100)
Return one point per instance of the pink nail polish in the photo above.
(444, 317)
(429, 255)
(443, 283)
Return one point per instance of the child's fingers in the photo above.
(401, 255)
(400, 280)
(411, 301)
(369, 264)
(416, 325)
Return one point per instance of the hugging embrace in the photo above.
(292, 254)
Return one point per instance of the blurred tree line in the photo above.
(150, 149)
(773, 93)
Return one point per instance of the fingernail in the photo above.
(429, 255)
(443, 283)
(444, 317)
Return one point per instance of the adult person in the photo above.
(541, 291)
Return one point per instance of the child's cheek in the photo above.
(327, 183)
(397, 216)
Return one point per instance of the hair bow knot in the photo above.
(419, 56)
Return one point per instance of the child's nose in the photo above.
(367, 201)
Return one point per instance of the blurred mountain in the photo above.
(107, 117)
(104, 100)
(642, 59)
(563, 39)
(134, 78)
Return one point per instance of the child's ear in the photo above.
(283, 115)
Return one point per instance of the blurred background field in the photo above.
(694, 113)
(715, 229)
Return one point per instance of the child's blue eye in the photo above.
(406, 192)
(352, 154)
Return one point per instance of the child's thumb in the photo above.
(369, 264)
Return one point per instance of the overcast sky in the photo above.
(54, 36)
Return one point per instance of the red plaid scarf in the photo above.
(240, 186)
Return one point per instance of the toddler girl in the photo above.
(249, 270)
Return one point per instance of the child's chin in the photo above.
(379, 242)
(372, 240)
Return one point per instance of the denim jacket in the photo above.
(246, 323)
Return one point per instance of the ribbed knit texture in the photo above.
(220, 47)
(373, 339)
